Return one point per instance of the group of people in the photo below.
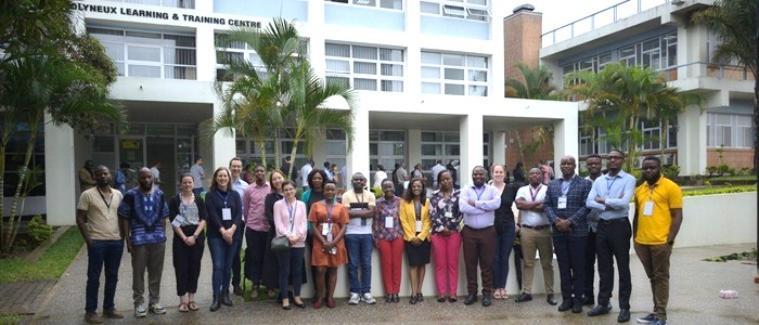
(580, 219)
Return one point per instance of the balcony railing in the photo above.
(712, 70)
(599, 19)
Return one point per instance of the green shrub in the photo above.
(711, 170)
(377, 192)
(723, 169)
(38, 230)
(671, 171)
(720, 190)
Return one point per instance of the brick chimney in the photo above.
(521, 38)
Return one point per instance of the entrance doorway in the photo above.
(161, 150)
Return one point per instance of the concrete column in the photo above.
(414, 148)
(499, 147)
(60, 174)
(358, 158)
(565, 140)
(224, 146)
(691, 141)
(692, 47)
(470, 137)
(412, 72)
(316, 46)
(206, 53)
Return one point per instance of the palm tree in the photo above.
(306, 107)
(737, 25)
(629, 94)
(534, 84)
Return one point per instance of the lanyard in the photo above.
(609, 185)
(291, 209)
(534, 195)
(479, 193)
(329, 212)
(362, 197)
(107, 204)
(223, 198)
(565, 185)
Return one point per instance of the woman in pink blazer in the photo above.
(290, 220)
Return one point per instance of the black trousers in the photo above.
(187, 263)
(570, 253)
(254, 254)
(590, 264)
(613, 242)
(236, 264)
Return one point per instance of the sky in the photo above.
(557, 13)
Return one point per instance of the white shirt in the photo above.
(156, 174)
(198, 173)
(304, 171)
(239, 186)
(532, 218)
(379, 176)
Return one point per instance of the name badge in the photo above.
(389, 222)
(448, 214)
(648, 208)
(419, 226)
(562, 204)
(226, 214)
(326, 227)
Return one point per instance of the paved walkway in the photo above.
(694, 299)
(24, 298)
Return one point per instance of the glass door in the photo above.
(132, 151)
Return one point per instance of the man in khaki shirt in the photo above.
(97, 219)
(358, 240)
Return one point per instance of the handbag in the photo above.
(281, 243)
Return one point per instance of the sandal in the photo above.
(183, 308)
(505, 295)
(192, 306)
(497, 294)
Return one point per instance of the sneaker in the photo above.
(140, 311)
(660, 322)
(354, 299)
(367, 298)
(157, 309)
(649, 319)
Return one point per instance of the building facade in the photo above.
(427, 75)
(659, 34)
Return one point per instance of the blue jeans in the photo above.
(570, 253)
(221, 255)
(359, 255)
(503, 245)
(102, 252)
(290, 266)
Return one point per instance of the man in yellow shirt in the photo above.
(658, 216)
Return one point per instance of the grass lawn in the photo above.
(717, 189)
(50, 266)
(732, 178)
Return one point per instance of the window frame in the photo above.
(378, 63)
(468, 70)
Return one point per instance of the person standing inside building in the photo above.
(535, 234)
(328, 171)
(187, 213)
(256, 228)
(388, 238)
(518, 173)
(547, 172)
(239, 186)
(328, 221)
(98, 222)
(290, 221)
(379, 176)
(435, 171)
(446, 236)
(143, 214)
(658, 216)
(400, 176)
(224, 209)
(155, 170)
(593, 163)
(304, 171)
(119, 182)
(198, 176)
(416, 223)
(611, 194)
(417, 172)
(478, 204)
(358, 240)
(505, 229)
(565, 207)
(86, 176)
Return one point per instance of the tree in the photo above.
(736, 23)
(262, 104)
(626, 95)
(534, 84)
(47, 69)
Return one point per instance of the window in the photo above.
(386, 148)
(15, 154)
(337, 147)
(454, 74)
(365, 67)
(387, 4)
(235, 51)
(439, 145)
(476, 10)
(729, 130)
(651, 131)
(151, 54)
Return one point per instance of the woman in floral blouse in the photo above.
(446, 240)
(388, 239)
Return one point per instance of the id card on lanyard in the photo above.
(327, 227)
(562, 202)
(226, 213)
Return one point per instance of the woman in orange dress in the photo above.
(328, 220)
